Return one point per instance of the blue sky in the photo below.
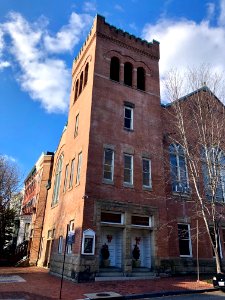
(40, 39)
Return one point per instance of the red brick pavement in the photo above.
(41, 285)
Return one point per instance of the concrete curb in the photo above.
(169, 293)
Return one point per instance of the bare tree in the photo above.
(9, 180)
(198, 126)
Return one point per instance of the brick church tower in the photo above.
(108, 179)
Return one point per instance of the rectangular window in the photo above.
(128, 117)
(141, 221)
(108, 164)
(108, 217)
(71, 230)
(60, 244)
(66, 177)
(184, 240)
(76, 125)
(178, 168)
(128, 169)
(146, 169)
(49, 234)
(79, 167)
(71, 173)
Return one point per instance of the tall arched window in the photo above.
(178, 168)
(76, 90)
(214, 174)
(115, 69)
(141, 78)
(81, 82)
(128, 70)
(57, 182)
(86, 74)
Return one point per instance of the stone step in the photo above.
(143, 275)
(141, 269)
(110, 274)
(109, 269)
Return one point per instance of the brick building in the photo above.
(109, 186)
(33, 206)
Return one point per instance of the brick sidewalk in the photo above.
(41, 285)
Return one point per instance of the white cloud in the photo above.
(69, 35)
(221, 19)
(44, 78)
(210, 10)
(89, 6)
(119, 7)
(9, 158)
(185, 43)
(3, 63)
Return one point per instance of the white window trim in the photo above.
(150, 173)
(79, 162)
(189, 240)
(112, 166)
(60, 244)
(176, 149)
(66, 178)
(131, 168)
(71, 173)
(71, 229)
(89, 233)
(76, 125)
(132, 117)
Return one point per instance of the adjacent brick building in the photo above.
(33, 206)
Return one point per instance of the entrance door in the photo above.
(142, 238)
(113, 238)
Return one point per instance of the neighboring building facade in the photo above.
(34, 202)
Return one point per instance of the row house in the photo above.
(32, 214)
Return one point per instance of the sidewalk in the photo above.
(39, 284)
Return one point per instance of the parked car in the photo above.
(219, 281)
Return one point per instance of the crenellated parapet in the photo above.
(118, 36)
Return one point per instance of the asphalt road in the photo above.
(218, 295)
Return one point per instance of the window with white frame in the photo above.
(70, 231)
(66, 177)
(76, 125)
(57, 182)
(146, 172)
(214, 173)
(79, 168)
(128, 117)
(128, 169)
(108, 167)
(184, 237)
(71, 173)
(88, 242)
(60, 244)
(178, 168)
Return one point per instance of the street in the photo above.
(209, 296)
